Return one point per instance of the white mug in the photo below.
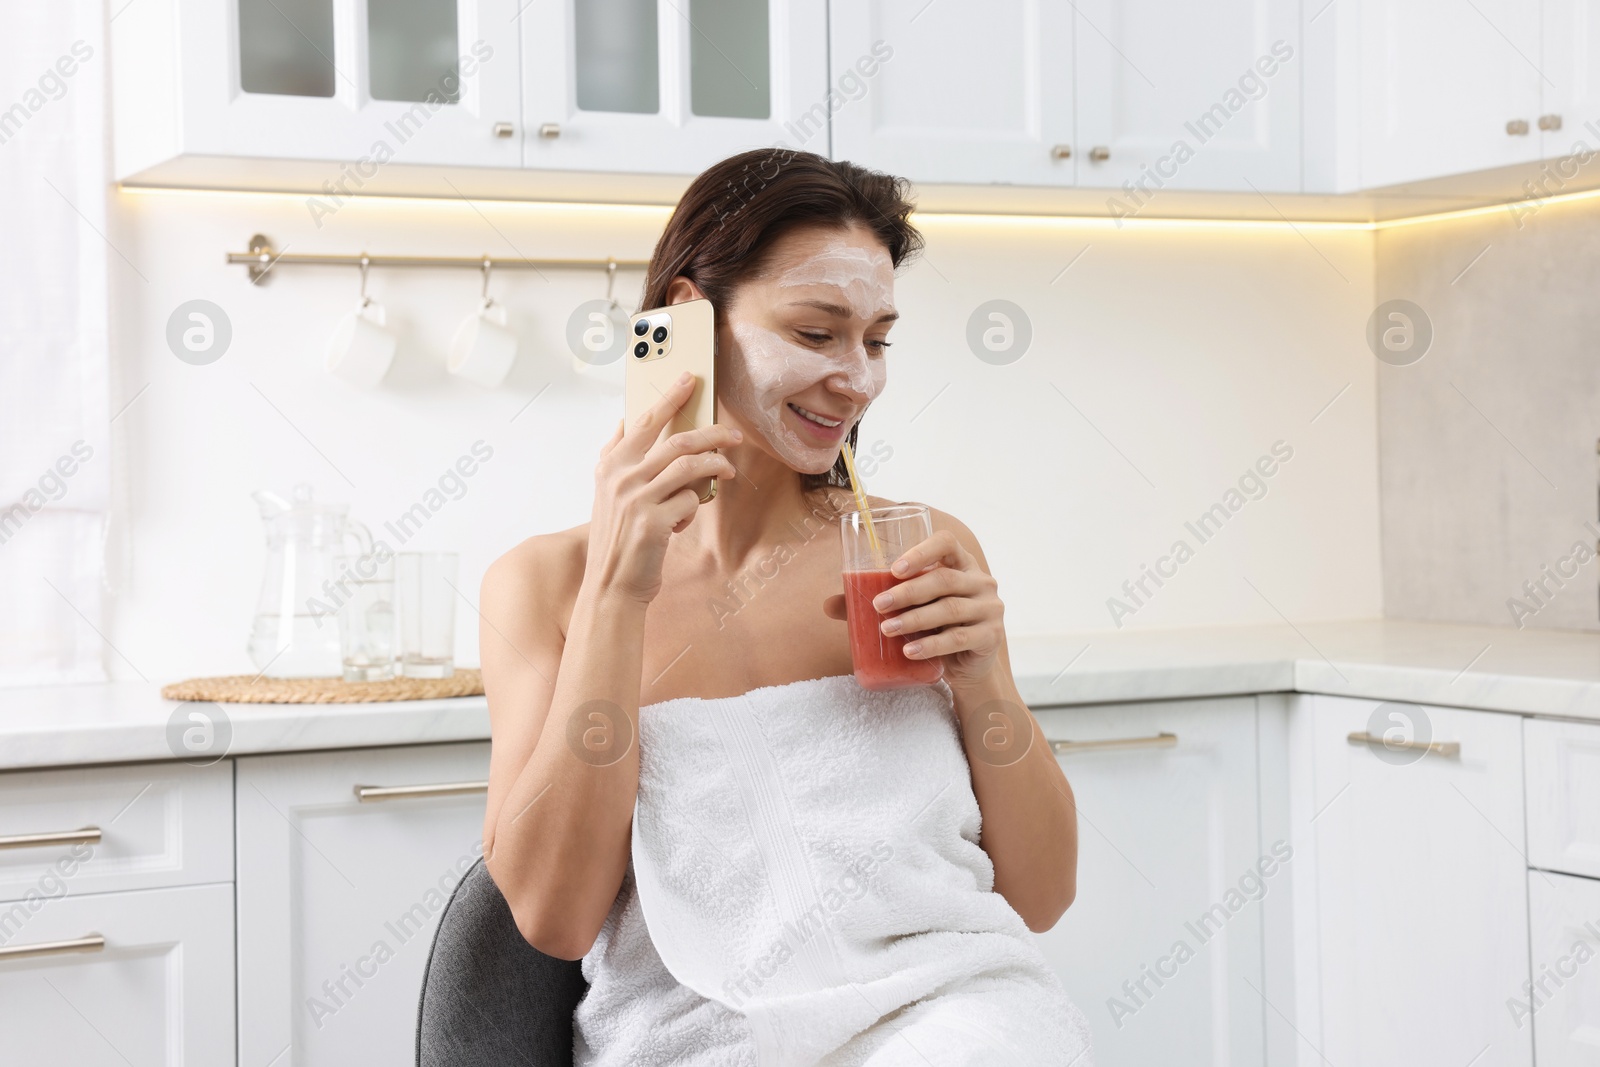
(483, 348)
(360, 349)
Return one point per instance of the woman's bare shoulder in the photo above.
(943, 520)
(542, 572)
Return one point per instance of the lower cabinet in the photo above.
(1561, 1001)
(1162, 950)
(110, 979)
(1421, 884)
(339, 896)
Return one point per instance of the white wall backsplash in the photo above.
(1165, 363)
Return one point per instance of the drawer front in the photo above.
(339, 896)
(1563, 796)
(1564, 1003)
(159, 824)
(121, 978)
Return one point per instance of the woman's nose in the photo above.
(854, 378)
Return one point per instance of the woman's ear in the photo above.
(681, 289)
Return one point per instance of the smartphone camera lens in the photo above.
(641, 327)
(642, 349)
(660, 334)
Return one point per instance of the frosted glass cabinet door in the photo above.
(1421, 882)
(339, 898)
(158, 992)
(1163, 944)
(348, 81)
(1189, 96)
(670, 86)
(974, 91)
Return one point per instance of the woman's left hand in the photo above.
(957, 598)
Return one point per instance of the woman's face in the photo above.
(801, 349)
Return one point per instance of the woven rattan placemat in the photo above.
(249, 689)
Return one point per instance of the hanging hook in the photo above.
(488, 265)
(611, 280)
(366, 262)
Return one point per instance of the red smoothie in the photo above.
(880, 658)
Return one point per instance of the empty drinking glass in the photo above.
(365, 587)
(425, 582)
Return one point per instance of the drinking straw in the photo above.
(861, 505)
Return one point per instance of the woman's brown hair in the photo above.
(728, 219)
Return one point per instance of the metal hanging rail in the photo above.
(262, 258)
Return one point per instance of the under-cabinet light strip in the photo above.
(1515, 210)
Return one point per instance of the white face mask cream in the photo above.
(764, 368)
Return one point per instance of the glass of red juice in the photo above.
(879, 658)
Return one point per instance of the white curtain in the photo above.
(54, 410)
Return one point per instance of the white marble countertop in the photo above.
(1529, 672)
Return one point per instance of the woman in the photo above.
(757, 860)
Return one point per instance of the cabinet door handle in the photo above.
(1161, 740)
(502, 129)
(1517, 127)
(368, 793)
(1549, 122)
(86, 943)
(550, 130)
(1061, 151)
(1099, 154)
(88, 835)
(1443, 748)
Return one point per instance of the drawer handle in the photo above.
(86, 943)
(1443, 748)
(367, 793)
(1161, 740)
(88, 835)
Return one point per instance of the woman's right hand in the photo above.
(642, 494)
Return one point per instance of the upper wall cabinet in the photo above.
(671, 86)
(910, 103)
(1101, 93)
(1448, 87)
(412, 81)
(1132, 97)
(1189, 96)
(1570, 83)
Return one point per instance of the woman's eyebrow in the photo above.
(840, 310)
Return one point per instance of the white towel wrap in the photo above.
(806, 860)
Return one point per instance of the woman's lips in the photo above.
(824, 435)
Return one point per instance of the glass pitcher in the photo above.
(296, 629)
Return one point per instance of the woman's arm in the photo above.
(564, 707)
(559, 814)
(1030, 818)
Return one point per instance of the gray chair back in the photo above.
(490, 999)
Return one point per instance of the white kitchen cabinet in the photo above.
(97, 829)
(1570, 87)
(1099, 94)
(670, 86)
(1440, 82)
(1162, 949)
(155, 987)
(1563, 763)
(1421, 898)
(1189, 96)
(1562, 1002)
(923, 114)
(355, 83)
(339, 898)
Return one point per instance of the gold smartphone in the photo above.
(664, 343)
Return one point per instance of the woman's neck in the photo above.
(751, 512)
